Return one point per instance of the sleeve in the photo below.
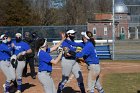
(5, 49)
(84, 52)
(75, 44)
(64, 44)
(26, 47)
(1, 48)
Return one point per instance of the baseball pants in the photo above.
(19, 70)
(93, 78)
(46, 81)
(8, 70)
(70, 66)
(31, 64)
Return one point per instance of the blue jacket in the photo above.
(44, 61)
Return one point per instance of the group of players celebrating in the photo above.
(71, 54)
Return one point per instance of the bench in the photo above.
(103, 51)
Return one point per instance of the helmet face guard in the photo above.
(4, 38)
(18, 39)
(4, 41)
(71, 36)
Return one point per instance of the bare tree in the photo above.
(73, 12)
(40, 12)
(14, 12)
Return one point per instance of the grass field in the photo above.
(121, 61)
(122, 83)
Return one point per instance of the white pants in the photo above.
(8, 70)
(93, 77)
(19, 69)
(47, 82)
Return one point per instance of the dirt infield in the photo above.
(33, 86)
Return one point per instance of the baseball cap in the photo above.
(18, 34)
(85, 35)
(71, 32)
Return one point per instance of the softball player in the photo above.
(45, 64)
(20, 50)
(70, 65)
(91, 59)
(5, 64)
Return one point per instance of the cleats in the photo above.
(18, 91)
(4, 88)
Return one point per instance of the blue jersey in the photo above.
(66, 44)
(20, 47)
(89, 54)
(71, 49)
(5, 51)
(44, 60)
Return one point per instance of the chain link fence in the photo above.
(125, 49)
(49, 32)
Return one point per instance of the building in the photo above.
(101, 27)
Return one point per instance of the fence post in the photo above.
(113, 30)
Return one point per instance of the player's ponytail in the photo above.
(39, 43)
(90, 35)
(93, 41)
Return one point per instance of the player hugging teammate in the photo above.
(13, 53)
(89, 54)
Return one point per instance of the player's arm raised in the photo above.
(59, 43)
(55, 61)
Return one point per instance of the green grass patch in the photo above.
(121, 61)
(122, 83)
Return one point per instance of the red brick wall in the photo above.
(103, 16)
(100, 30)
(123, 22)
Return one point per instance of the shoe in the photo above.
(18, 91)
(101, 91)
(33, 77)
(4, 88)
